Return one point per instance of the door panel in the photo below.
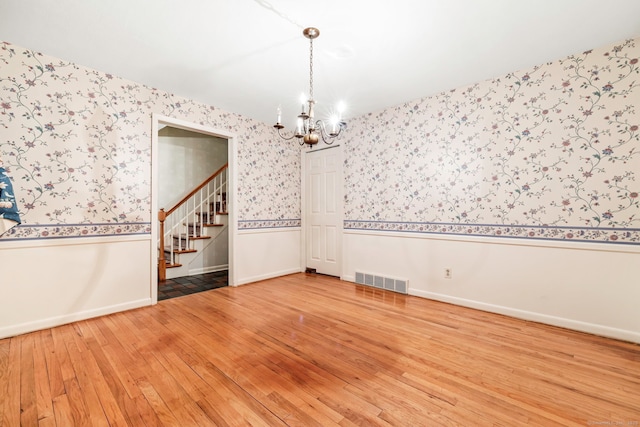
(330, 192)
(316, 193)
(330, 236)
(315, 243)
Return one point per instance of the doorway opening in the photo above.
(192, 195)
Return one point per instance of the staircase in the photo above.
(184, 230)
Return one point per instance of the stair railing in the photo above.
(184, 221)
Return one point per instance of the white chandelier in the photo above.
(308, 129)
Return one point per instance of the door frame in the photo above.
(157, 122)
(303, 205)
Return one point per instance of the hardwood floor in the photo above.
(309, 350)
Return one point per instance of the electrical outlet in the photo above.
(448, 273)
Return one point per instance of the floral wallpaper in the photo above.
(546, 153)
(552, 152)
(76, 143)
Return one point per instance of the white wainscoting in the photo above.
(265, 253)
(587, 287)
(50, 283)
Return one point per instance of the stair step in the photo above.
(205, 216)
(174, 265)
(213, 225)
(183, 238)
(181, 251)
(191, 237)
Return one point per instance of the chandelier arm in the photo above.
(284, 137)
(323, 133)
(339, 126)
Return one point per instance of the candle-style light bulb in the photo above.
(341, 108)
(299, 126)
(334, 124)
(279, 115)
(303, 100)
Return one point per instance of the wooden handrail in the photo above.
(162, 261)
(198, 188)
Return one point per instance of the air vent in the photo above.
(381, 282)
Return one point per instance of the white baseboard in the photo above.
(575, 325)
(206, 270)
(271, 275)
(13, 330)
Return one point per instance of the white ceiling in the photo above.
(249, 56)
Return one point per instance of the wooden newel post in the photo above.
(162, 262)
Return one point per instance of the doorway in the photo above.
(323, 210)
(182, 153)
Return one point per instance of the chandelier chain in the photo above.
(311, 69)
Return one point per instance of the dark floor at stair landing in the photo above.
(181, 286)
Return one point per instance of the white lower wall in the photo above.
(50, 283)
(591, 288)
(266, 253)
(588, 287)
(44, 284)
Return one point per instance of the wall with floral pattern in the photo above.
(77, 144)
(545, 153)
(552, 152)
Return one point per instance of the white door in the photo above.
(323, 210)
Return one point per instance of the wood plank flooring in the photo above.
(309, 350)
